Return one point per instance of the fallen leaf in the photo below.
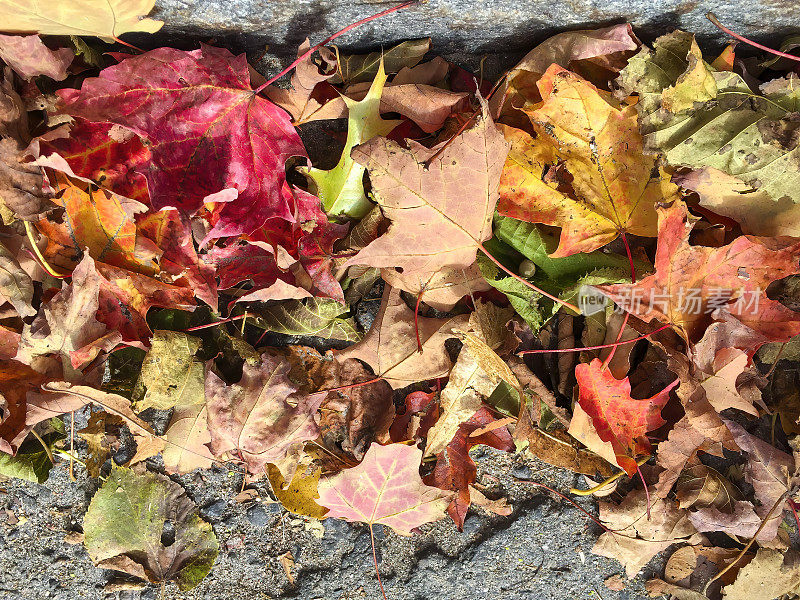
(700, 486)
(354, 68)
(667, 525)
(556, 448)
(299, 495)
(385, 489)
(124, 530)
(419, 198)
(612, 191)
(29, 57)
(107, 19)
(238, 142)
(691, 281)
(456, 471)
(390, 346)
(341, 189)
(318, 317)
(262, 416)
(617, 417)
(101, 435)
(171, 375)
(16, 286)
(771, 574)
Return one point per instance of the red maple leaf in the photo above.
(207, 130)
(618, 418)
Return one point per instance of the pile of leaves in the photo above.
(593, 261)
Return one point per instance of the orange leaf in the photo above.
(616, 416)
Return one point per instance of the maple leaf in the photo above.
(456, 471)
(390, 346)
(714, 119)
(106, 19)
(108, 154)
(745, 267)
(319, 317)
(299, 495)
(263, 416)
(582, 51)
(237, 141)
(618, 418)
(612, 190)
(442, 289)
(16, 286)
(754, 211)
(341, 189)
(21, 184)
(771, 574)
(67, 326)
(641, 538)
(139, 506)
(385, 489)
(29, 57)
(419, 198)
(99, 221)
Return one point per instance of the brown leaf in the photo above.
(101, 435)
(700, 486)
(21, 185)
(558, 449)
(666, 526)
(29, 57)
(442, 289)
(390, 347)
(741, 521)
(455, 470)
(767, 470)
(771, 574)
(262, 417)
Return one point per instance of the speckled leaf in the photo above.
(319, 317)
(125, 523)
(384, 489)
(171, 376)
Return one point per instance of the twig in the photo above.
(713, 18)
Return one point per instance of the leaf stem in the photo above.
(713, 18)
(747, 546)
(311, 50)
(43, 262)
(601, 346)
(646, 490)
(416, 318)
(375, 560)
(619, 335)
(527, 283)
(602, 484)
(44, 445)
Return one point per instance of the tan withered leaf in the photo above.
(463, 395)
(666, 526)
(700, 486)
(171, 376)
(186, 440)
(390, 347)
(741, 521)
(384, 489)
(101, 435)
(442, 289)
(420, 199)
(102, 18)
(557, 448)
(262, 417)
(771, 574)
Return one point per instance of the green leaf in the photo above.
(726, 125)
(125, 525)
(341, 189)
(319, 317)
(31, 462)
(356, 68)
(529, 240)
(523, 299)
(171, 374)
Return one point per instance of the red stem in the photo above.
(526, 282)
(641, 337)
(375, 560)
(215, 323)
(622, 328)
(333, 37)
(713, 18)
(119, 41)
(571, 501)
(352, 385)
